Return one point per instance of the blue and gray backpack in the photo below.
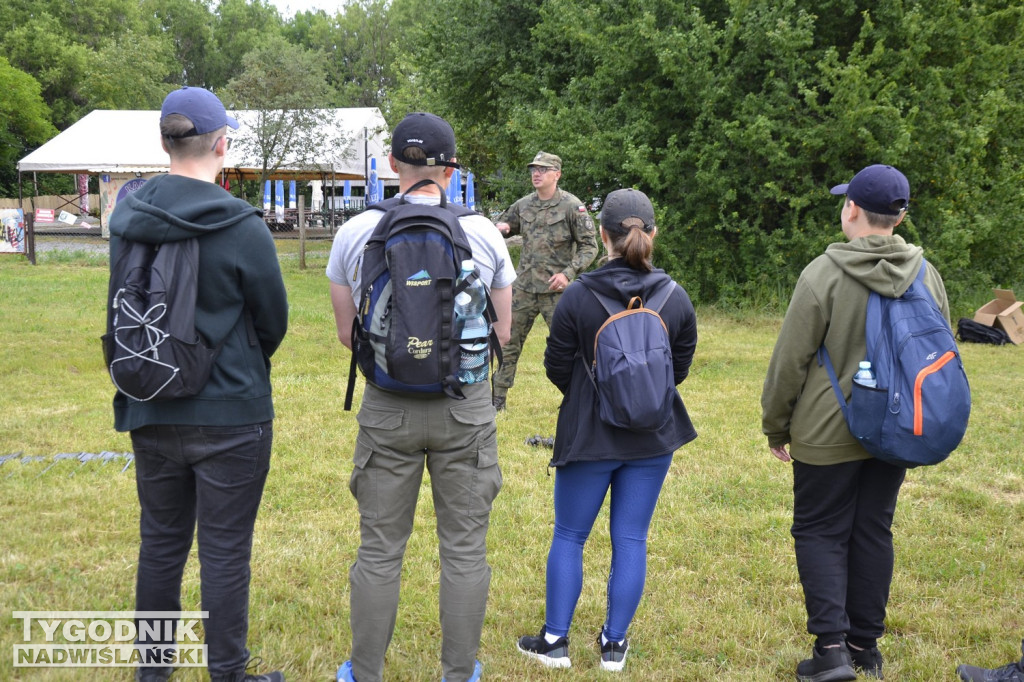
(918, 413)
(403, 337)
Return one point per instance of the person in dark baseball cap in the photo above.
(879, 189)
(595, 459)
(429, 133)
(200, 106)
(625, 209)
(843, 498)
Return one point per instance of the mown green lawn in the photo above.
(722, 600)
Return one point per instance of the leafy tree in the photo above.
(357, 45)
(737, 116)
(189, 26)
(240, 26)
(286, 86)
(24, 122)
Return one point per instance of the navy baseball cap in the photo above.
(431, 133)
(879, 189)
(200, 106)
(625, 209)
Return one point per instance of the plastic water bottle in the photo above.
(865, 376)
(471, 325)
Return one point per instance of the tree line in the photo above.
(736, 116)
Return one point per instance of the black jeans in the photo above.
(211, 478)
(842, 528)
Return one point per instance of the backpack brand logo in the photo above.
(420, 349)
(420, 279)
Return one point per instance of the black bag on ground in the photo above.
(976, 332)
(152, 348)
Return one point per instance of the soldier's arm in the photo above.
(586, 242)
(508, 223)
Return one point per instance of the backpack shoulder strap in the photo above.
(824, 359)
(658, 299)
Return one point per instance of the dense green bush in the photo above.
(738, 116)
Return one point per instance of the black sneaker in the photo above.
(868, 662)
(828, 665)
(613, 654)
(552, 655)
(1013, 672)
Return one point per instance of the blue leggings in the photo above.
(580, 489)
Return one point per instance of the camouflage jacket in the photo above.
(558, 236)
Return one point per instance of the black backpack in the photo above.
(632, 370)
(403, 336)
(976, 332)
(152, 348)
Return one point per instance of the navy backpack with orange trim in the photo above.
(917, 415)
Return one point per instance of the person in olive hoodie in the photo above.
(843, 498)
(201, 462)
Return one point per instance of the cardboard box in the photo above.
(1005, 313)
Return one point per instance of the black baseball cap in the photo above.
(624, 209)
(431, 133)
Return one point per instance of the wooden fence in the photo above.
(54, 201)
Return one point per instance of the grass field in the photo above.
(722, 600)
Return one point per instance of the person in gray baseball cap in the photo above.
(559, 243)
(594, 459)
(843, 498)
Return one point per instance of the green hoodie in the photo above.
(830, 304)
(238, 271)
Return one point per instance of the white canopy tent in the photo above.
(126, 144)
(118, 141)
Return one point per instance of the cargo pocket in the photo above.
(478, 420)
(375, 425)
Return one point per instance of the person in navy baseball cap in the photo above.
(844, 499)
(879, 189)
(200, 106)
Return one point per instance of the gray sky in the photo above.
(288, 8)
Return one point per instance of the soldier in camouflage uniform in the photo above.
(559, 242)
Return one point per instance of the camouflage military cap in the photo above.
(547, 160)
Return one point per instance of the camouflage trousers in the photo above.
(525, 309)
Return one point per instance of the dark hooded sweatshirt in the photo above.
(581, 434)
(829, 306)
(238, 272)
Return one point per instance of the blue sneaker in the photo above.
(345, 672)
(477, 670)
